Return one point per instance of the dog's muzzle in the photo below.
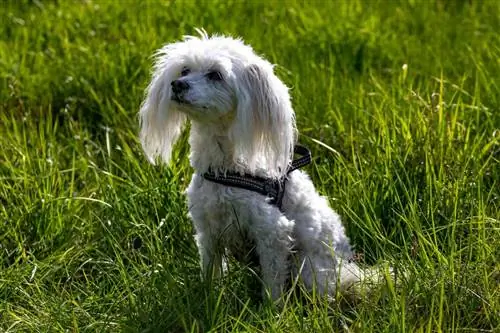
(179, 86)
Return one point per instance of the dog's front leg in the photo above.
(273, 236)
(210, 255)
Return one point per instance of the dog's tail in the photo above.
(356, 282)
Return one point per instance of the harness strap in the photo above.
(304, 160)
(275, 189)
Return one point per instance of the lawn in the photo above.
(399, 102)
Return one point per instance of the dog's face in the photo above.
(219, 80)
(204, 91)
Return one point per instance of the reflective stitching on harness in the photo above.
(275, 189)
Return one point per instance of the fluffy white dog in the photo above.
(243, 128)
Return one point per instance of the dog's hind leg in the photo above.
(323, 249)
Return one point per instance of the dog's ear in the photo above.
(160, 124)
(264, 132)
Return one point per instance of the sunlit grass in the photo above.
(399, 103)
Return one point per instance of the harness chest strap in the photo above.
(275, 189)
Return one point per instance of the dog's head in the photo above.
(219, 80)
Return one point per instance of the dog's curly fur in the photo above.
(242, 121)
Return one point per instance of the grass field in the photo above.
(398, 101)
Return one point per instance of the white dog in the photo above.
(242, 139)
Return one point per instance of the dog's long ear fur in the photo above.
(264, 132)
(160, 124)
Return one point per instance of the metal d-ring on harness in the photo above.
(275, 189)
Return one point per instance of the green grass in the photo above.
(93, 238)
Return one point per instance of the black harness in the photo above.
(272, 188)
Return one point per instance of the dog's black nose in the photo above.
(179, 86)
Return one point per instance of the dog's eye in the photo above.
(214, 76)
(185, 71)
